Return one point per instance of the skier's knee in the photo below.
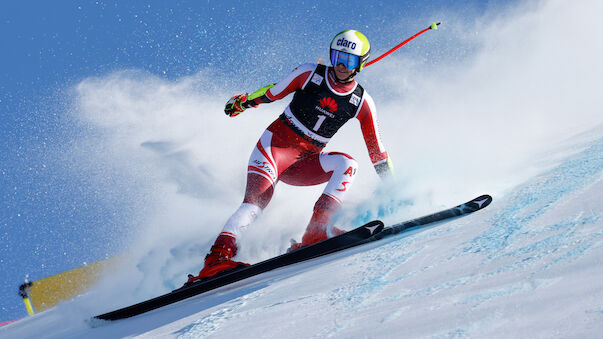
(346, 168)
(340, 163)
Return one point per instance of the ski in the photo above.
(372, 231)
(469, 207)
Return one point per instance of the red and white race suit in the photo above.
(289, 150)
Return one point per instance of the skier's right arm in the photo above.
(294, 81)
(240, 102)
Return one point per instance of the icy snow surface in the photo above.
(519, 118)
(528, 265)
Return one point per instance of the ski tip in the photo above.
(374, 227)
(482, 201)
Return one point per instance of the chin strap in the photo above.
(346, 80)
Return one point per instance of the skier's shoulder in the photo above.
(367, 105)
(307, 67)
(366, 95)
(302, 74)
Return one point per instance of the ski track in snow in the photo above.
(517, 241)
(514, 255)
(528, 264)
(537, 198)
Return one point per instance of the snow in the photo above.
(527, 265)
(519, 119)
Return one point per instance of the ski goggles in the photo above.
(350, 61)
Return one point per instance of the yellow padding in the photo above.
(46, 293)
(30, 309)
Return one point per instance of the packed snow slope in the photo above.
(508, 104)
(528, 265)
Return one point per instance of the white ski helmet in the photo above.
(351, 48)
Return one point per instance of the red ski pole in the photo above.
(433, 26)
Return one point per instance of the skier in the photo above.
(289, 150)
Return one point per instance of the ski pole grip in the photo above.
(23, 289)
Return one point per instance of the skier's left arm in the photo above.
(367, 115)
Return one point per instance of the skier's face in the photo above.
(342, 73)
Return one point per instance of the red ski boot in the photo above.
(218, 259)
(318, 226)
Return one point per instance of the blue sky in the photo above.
(52, 219)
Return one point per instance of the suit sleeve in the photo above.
(296, 80)
(367, 115)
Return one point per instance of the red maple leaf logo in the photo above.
(328, 103)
